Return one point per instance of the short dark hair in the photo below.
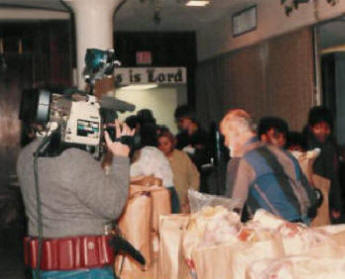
(148, 135)
(272, 122)
(184, 111)
(320, 114)
(145, 116)
(295, 138)
(132, 121)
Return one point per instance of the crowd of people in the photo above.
(178, 161)
(317, 133)
(78, 198)
(259, 155)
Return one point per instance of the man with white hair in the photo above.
(263, 175)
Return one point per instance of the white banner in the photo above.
(171, 75)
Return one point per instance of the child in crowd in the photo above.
(295, 141)
(273, 130)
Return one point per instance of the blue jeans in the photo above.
(93, 273)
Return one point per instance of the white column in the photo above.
(94, 28)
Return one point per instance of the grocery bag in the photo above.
(171, 261)
(139, 225)
(135, 224)
(322, 217)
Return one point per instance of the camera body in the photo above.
(75, 117)
(83, 123)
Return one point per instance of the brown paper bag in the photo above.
(337, 233)
(299, 267)
(322, 217)
(135, 224)
(139, 224)
(161, 205)
(232, 260)
(339, 238)
(213, 262)
(171, 261)
(306, 161)
(312, 242)
(246, 253)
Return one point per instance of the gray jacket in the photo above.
(77, 197)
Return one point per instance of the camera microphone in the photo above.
(115, 104)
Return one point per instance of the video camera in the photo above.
(76, 118)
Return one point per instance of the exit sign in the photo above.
(143, 57)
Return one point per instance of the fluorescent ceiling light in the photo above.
(139, 86)
(197, 3)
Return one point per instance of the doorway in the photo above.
(332, 51)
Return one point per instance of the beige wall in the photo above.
(325, 11)
(162, 102)
(216, 38)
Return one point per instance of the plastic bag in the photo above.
(208, 227)
(152, 161)
(231, 258)
(199, 200)
(296, 237)
(301, 267)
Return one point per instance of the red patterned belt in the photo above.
(70, 252)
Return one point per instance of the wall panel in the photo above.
(290, 77)
(274, 77)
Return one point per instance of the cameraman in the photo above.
(77, 200)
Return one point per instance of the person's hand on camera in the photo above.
(116, 147)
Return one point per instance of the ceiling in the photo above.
(137, 15)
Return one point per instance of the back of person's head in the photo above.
(132, 121)
(295, 141)
(273, 130)
(320, 114)
(272, 122)
(185, 118)
(184, 111)
(237, 120)
(148, 135)
(145, 116)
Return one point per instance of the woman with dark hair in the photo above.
(319, 134)
(186, 175)
(150, 161)
(146, 116)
